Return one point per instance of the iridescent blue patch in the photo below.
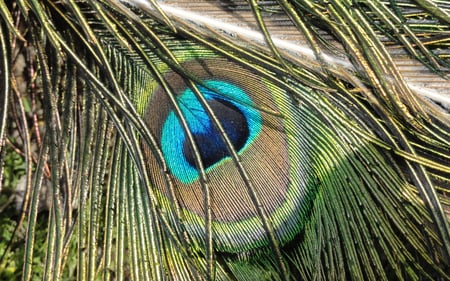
(232, 107)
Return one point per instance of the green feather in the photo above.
(284, 140)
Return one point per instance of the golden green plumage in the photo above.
(334, 164)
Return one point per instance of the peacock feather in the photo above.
(232, 140)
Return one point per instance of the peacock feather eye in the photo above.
(250, 110)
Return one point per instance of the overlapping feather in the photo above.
(380, 147)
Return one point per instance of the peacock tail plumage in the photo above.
(233, 140)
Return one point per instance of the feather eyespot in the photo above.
(267, 146)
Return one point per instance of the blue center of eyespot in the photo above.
(211, 144)
(232, 107)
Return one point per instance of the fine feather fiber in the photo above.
(230, 140)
